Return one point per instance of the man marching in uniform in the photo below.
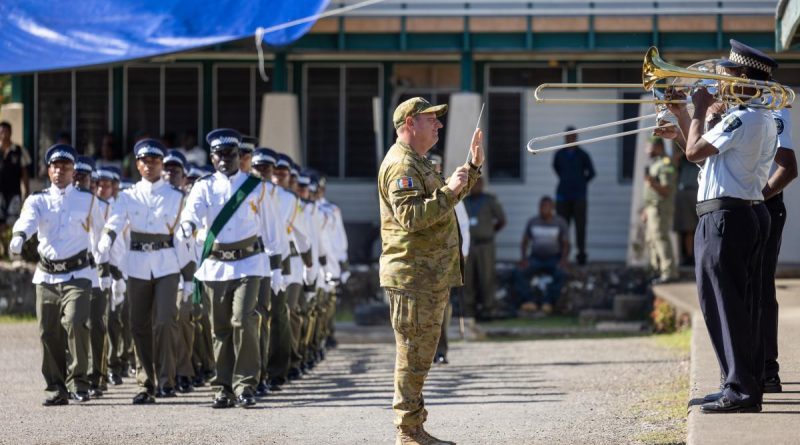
(263, 161)
(64, 218)
(235, 210)
(284, 304)
(151, 209)
(736, 155)
(101, 284)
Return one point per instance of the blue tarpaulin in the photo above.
(39, 35)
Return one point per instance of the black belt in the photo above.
(237, 251)
(725, 203)
(76, 262)
(149, 242)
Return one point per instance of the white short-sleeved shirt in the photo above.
(746, 139)
(783, 124)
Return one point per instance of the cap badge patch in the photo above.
(732, 123)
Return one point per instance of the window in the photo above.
(339, 128)
(615, 74)
(73, 103)
(239, 91)
(162, 100)
(505, 95)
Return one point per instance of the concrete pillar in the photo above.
(462, 117)
(279, 128)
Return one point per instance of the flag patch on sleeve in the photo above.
(406, 182)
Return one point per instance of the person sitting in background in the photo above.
(193, 152)
(547, 236)
(109, 155)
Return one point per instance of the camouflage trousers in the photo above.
(417, 323)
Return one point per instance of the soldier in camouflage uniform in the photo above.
(658, 197)
(421, 258)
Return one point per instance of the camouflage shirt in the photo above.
(661, 169)
(419, 230)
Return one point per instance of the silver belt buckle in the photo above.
(228, 255)
(148, 247)
(59, 267)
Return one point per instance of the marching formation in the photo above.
(186, 277)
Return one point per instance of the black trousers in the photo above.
(727, 246)
(769, 302)
(575, 210)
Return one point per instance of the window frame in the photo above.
(254, 75)
(73, 106)
(522, 91)
(161, 96)
(342, 66)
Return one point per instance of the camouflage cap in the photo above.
(413, 107)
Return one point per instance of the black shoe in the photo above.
(713, 397)
(724, 405)
(184, 384)
(166, 392)
(198, 381)
(209, 374)
(114, 378)
(95, 392)
(773, 385)
(276, 383)
(143, 398)
(295, 374)
(321, 355)
(79, 396)
(222, 402)
(262, 390)
(310, 364)
(331, 343)
(56, 400)
(245, 401)
(303, 369)
(440, 359)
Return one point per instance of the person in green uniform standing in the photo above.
(420, 259)
(658, 210)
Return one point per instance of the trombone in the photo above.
(658, 75)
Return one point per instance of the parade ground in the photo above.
(589, 391)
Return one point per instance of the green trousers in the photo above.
(417, 322)
(154, 324)
(479, 281)
(235, 323)
(62, 311)
(298, 319)
(659, 224)
(203, 351)
(119, 337)
(184, 340)
(98, 328)
(280, 342)
(264, 316)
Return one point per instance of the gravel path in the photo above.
(525, 392)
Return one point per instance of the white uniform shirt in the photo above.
(746, 140)
(339, 236)
(151, 208)
(463, 224)
(331, 270)
(253, 218)
(298, 233)
(64, 219)
(281, 233)
(118, 257)
(783, 124)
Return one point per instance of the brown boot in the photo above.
(416, 435)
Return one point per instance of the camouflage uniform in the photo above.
(659, 211)
(421, 250)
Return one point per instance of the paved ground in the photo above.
(777, 423)
(544, 392)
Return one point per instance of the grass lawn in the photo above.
(17, 318)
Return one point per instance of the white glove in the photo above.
(284, 283)
(188, 290)
(117, 293)
(104, 245)
(184, 232)
(15, 246)
(276, 280)
(309, 275)
(105, 283)
(345, 276)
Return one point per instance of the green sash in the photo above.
(219, 222)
